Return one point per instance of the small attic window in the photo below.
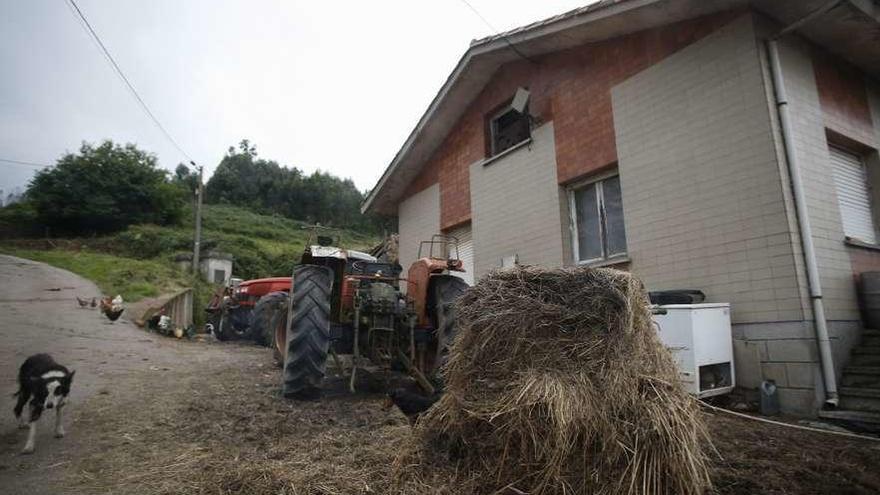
(508, 128)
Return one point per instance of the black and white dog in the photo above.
(46, 384)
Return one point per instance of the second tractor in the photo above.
(343, 301)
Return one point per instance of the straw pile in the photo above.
(557, 383)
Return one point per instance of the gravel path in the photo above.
(38, 313)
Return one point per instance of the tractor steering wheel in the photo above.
(358, 266)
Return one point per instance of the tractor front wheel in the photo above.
(234, 324)
(308, 332)
(265, 316)
(223, 328)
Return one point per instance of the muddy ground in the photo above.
(206, 418)
(226, 431)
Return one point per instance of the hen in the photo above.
(412, 405)
(112, 308)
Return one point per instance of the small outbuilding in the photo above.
(215, 266)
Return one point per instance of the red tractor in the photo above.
(240, 309)
(347, 302)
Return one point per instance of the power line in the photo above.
(26, 164)
(497, 33)
(121, 74)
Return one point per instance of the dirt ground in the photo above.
(227, 432)
(206, 418)
(38, 313)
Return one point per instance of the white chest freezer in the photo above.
(699, 337)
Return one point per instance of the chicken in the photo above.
(412, 405)
(160, 322)
(114, 315)
(153, 322)
(112, 308)
(94, 303)
(83, 303)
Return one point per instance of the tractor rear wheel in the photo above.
(444, 291)
(308, 332)
(264, 317)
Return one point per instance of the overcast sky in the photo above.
(335, 86)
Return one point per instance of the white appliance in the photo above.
(700, 340)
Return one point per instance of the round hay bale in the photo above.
(558, 383)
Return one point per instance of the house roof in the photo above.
(601, 4)
(846, 30)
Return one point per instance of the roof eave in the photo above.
(486, 46)
(835, 30)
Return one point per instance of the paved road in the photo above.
(38, 313)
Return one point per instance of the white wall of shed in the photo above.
(515, 206)
(465, 252)
(418, 219)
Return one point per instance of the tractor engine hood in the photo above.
(335, 252)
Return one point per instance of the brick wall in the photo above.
(843, 97)
(516, 206)
(865, 259)
(704, 200)
(827, 104)
(811, 145)
(848, 101)
(571, 88)
(702, 193)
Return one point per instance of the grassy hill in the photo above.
(262, 245)
(138, 262)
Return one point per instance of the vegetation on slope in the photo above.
(123, 221)
(132, 278)
(261, 245)
(139, 261)
(244, 179)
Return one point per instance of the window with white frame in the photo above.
(853, 195)
(597, 221)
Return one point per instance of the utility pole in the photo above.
(198, 237)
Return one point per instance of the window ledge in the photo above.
(492, 159)
(851, 241)
(620, 260)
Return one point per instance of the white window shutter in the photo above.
(853, 195)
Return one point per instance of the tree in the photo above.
(243, 179)
(186, 178)
(104, 188)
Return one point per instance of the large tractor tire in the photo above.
(443, 292)
(308, 332)
(266, 315)
(233, 324)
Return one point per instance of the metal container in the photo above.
(699, 338)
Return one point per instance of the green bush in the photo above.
(104, 188)
(19, 220)
(147, 241)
